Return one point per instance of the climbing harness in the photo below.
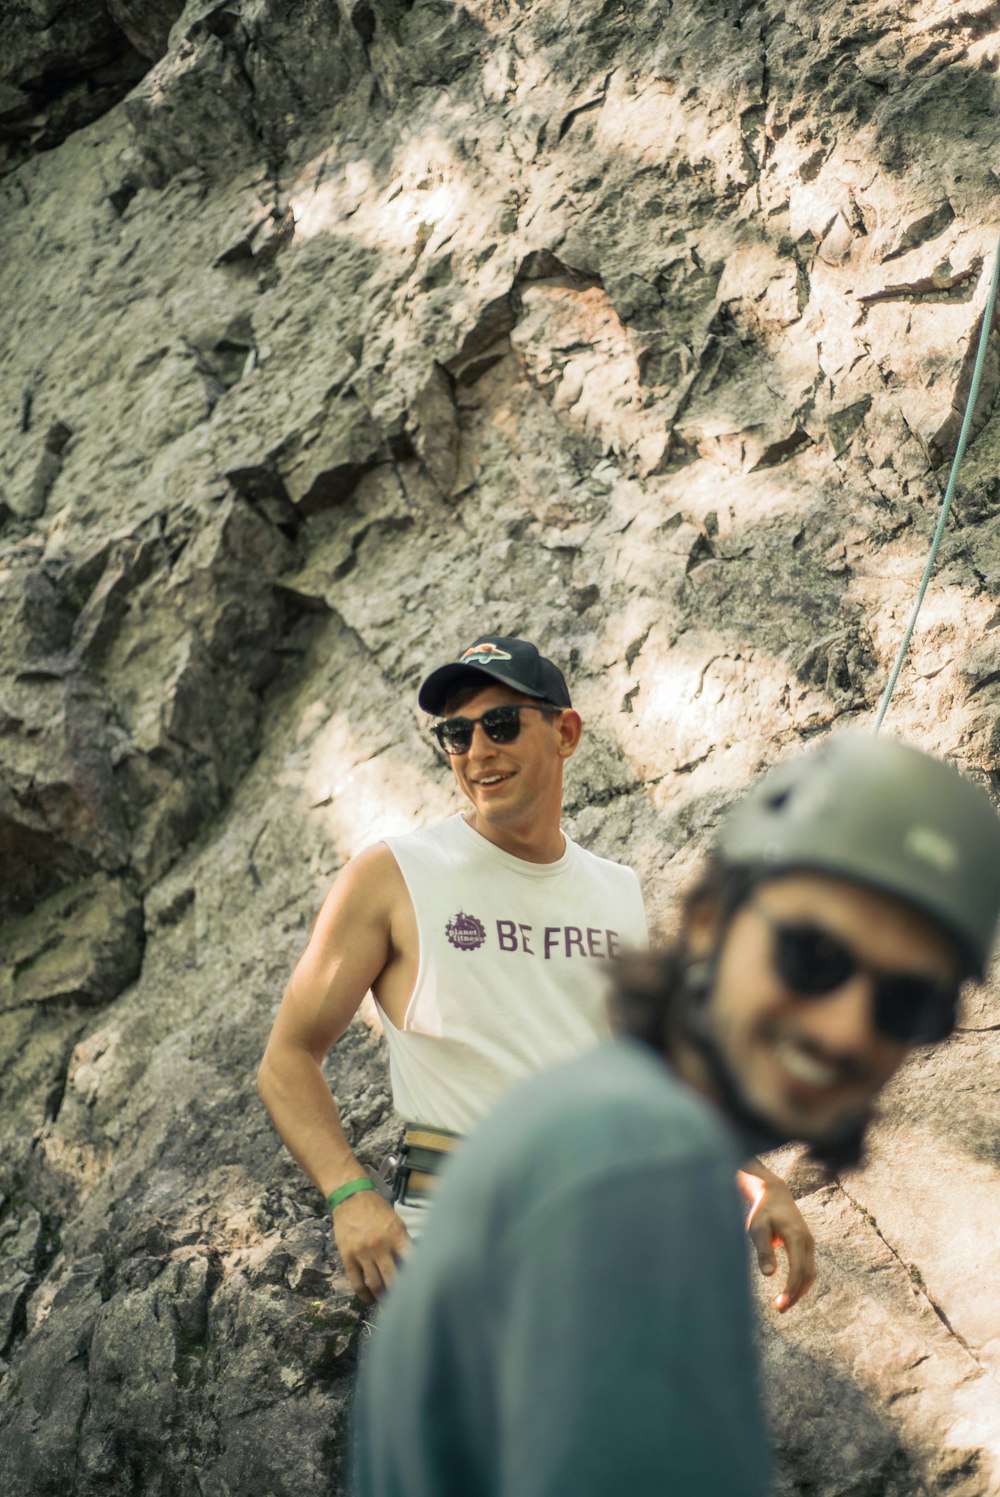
(963, 437)
(412, 1172)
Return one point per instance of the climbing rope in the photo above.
(963, 437)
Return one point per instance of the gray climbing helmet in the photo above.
(888, 816)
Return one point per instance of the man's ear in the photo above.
(701, 929)
(570, 732)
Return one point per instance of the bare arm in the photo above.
(350, 947)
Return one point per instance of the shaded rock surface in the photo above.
(62, 66)
(336, 333)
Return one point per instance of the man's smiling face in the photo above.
(812, 1065)
(513, 786)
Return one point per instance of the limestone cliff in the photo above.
(334, 333)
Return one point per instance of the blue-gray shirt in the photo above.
(575, 1321)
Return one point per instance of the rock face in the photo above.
(336, 333)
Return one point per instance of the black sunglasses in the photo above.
(910, 1009)
(500, 724)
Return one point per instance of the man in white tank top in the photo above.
(485, 941)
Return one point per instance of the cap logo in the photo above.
(484, 654)
(930, 847)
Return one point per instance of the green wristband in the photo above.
(342, 1192)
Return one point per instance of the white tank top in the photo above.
(512, 972)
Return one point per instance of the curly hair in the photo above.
(644, 1000)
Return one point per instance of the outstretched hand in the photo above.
(776, 1220)
(371, 1240)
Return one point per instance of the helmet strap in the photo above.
(696, 985)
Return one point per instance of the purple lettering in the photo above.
(506, 935)
(574, 937)
(552, 934)
(594, 941)
(612, 936)
(525, 933)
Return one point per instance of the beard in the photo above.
(839, 1147)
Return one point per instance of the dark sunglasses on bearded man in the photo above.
(814, 963)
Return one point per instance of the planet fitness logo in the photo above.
(465, 932)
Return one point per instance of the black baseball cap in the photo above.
(513, 662)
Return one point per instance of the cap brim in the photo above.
(447, 678)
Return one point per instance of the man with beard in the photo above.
(578, 1319)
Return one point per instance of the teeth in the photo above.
(493, 779)
(805, 1067)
